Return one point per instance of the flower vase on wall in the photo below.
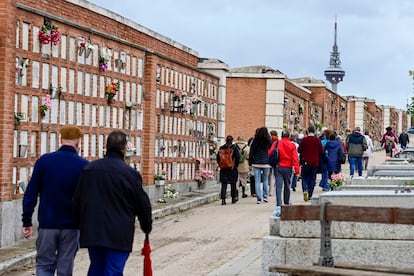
(202, 184)
(160, 182)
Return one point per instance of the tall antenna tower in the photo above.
(334, 74)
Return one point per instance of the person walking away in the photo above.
(333, 147)
(243, 168)
(259, 160)
(108, 198)
(294, 180)
(404, 140)
(53, 182)
(310, 149)
(369, 151)
(356, 144)
(389, 141)
(288, 159)
(323, 166)
(251, 171)
(228, 173)
(273, 135)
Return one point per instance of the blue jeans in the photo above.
(106, 262)
(355, 163)
(294, 181)
(56, 250)
(258, 181)
(324, 180)
(309, 179)
(283, 176)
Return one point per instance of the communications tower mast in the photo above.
(334, 74)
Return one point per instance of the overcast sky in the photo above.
(375, 37)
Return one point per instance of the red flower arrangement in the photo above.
(49, 34)
(111, 91)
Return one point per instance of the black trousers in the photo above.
(233, 190)
(252, 185)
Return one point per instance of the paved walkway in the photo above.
(248, 263)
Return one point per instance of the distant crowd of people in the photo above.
(274, 165)
(94, 205)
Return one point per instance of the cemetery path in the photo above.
(206, 238)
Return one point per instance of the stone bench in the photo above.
(326, 213)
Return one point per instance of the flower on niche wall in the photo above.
(111, 91)
(196, 100)
(46, 104)
(201, 175)
(179, 94)
(160, 175)
(103, 60)
(49, 34)
(85, 46)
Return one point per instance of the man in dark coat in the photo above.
(53, 182)
(107, 200)
(403, 139)
(229, 175)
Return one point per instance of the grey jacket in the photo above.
(356, 144)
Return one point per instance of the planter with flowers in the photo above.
(130, 150)
(177, 98)
(159, 178)
(49, 34)
(85, 47)
(103, 60)
(169, 192)
(46, 105)
(201, 176)
(111, 91)
(336, 181)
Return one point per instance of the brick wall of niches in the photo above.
(166, 106)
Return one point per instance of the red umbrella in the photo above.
(146, 251)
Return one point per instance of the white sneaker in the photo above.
(277, 212)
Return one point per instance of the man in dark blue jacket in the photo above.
(54, 180)
(107, 200)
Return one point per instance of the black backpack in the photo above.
(274, 156)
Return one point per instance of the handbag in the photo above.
(341, 157)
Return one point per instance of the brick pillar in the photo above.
(148, 136)
(7, 88)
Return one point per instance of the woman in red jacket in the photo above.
(288, 159)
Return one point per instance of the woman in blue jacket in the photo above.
(332, 147)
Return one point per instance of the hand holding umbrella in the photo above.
(146, 252)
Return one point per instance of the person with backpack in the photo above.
(356, 145)
(272, 179)
(228, 160)
(389, 141)
(243, 168)
(288, 159)
(259, 160)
